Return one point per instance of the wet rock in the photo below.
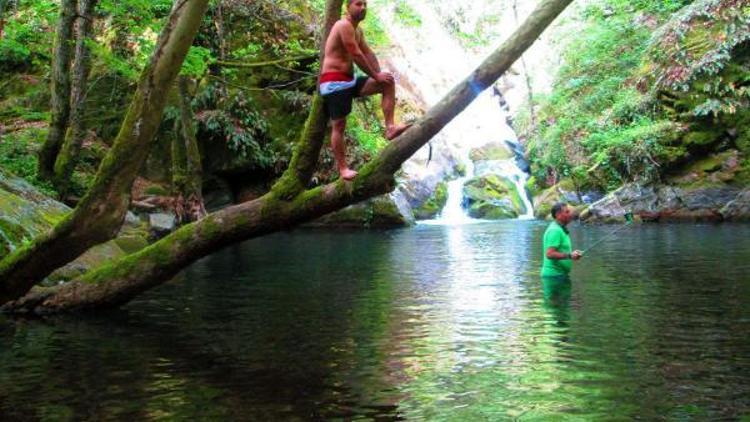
(492, 197)
(562, 192)
(739, 208)
(491, 152)
(161, 224)
(432, 207)
(385, 211)
(664, 203)
(26, 213)
(419, 178)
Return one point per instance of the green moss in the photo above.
(742, 177)
(156, 190)
(493, 151)
(460, 169)
(131, 243)
(701, 138)
(12, 235)
(432, 207)
(493, 197)
(489, 211)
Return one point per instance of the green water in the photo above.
(429, 323)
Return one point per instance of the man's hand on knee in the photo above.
(385, 78)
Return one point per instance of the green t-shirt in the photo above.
(556, 237)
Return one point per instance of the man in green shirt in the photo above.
(558, 252)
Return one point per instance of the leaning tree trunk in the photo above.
(100, 213)
(124, 279)
(60, 90)
(68, 156)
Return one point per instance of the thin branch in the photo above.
(265, 63)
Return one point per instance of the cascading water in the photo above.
(433, 62)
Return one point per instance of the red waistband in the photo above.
(336, 77)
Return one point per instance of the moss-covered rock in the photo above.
(492, 197)
(563, 191)
(26, 213)
(712, 170)
(490, 152)
(380, 212)
(432, 207)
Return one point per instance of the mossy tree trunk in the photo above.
(3, 7)
(60, 91)
(306, 154)
(187, 178)
(68, 156)
(124, 279)
(99, 215)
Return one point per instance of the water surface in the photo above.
(428, 323)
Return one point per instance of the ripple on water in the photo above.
(436, 323)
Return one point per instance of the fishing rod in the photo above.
(628, 221)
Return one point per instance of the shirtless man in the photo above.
(345, 46)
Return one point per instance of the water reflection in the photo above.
(437, 323)
(557, 292)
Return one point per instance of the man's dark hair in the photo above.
(557, 208)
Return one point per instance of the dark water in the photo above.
(431, 323)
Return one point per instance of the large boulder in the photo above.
(385, 211)
(26, 213)
(666, 203)
(564, 191)
(492, 197)
(739, 208)
(432, 207)
(492, 151)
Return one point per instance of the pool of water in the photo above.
(430, 323)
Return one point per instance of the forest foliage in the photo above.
(645, 87)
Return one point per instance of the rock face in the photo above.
(162, 223)
(492, 197)
(671, 203)
(739, 208)
(25, 213)
(432, 207)
(562, 192)
(385, 211)
(492, 151)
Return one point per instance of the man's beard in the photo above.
(361, 16)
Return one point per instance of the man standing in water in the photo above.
(557, 249)
(345, 46)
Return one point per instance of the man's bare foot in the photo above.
(348, 174)
(393, 131)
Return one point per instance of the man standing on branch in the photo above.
(345, 46)
(557, 249)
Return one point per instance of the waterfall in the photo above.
(431, 61)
